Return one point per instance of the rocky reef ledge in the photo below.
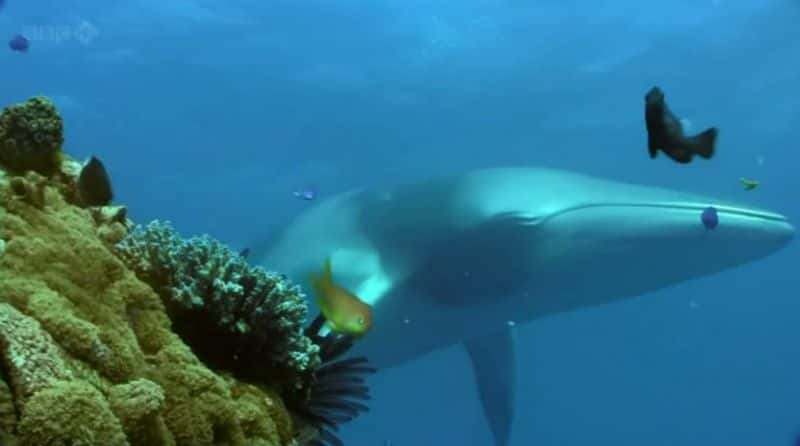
(115, 334)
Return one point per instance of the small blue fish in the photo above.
(710, 218)
(306, 193)
(19, 43)
(245, 253)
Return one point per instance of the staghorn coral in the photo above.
(87, 354)
(235, 316)
(31, 136)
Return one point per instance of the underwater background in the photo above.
(210, 114)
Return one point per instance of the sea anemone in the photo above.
(337, 392)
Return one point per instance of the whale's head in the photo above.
(591, 241)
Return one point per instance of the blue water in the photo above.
(211, 113)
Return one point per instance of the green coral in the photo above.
(70, 413)
(31, 136)
(8, 413)
(87, 353)
(235, 316)
(138, 405)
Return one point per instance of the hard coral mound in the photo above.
(236, 317)
(87, 353)
(89, 312)
(31, 136)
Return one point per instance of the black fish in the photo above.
(245, 253)
(94, 185)
(665, 132)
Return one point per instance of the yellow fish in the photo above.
(748, 184)
(345, 312)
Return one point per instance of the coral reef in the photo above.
(236, 317)
(86, 348)
(31, 136)
(116, 337)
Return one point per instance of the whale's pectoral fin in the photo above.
(494, 361)
(516, 219)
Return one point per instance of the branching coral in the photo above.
(248, 321)
(235, 316)
(31, 136)
(152, 253)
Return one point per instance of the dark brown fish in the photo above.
(94, 184)
(665, 132)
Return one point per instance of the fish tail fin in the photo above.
(320, 281)
(652, 147)
(703, 143)
(327, 270)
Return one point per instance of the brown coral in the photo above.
(138, 405)
(8, 413)
(29, 189)
(87, 349)
(32, 359)
(31, 136)
(67, 413)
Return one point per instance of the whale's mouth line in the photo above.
(677, 206)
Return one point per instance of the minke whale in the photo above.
(456, 258)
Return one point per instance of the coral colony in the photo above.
(118, 334)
